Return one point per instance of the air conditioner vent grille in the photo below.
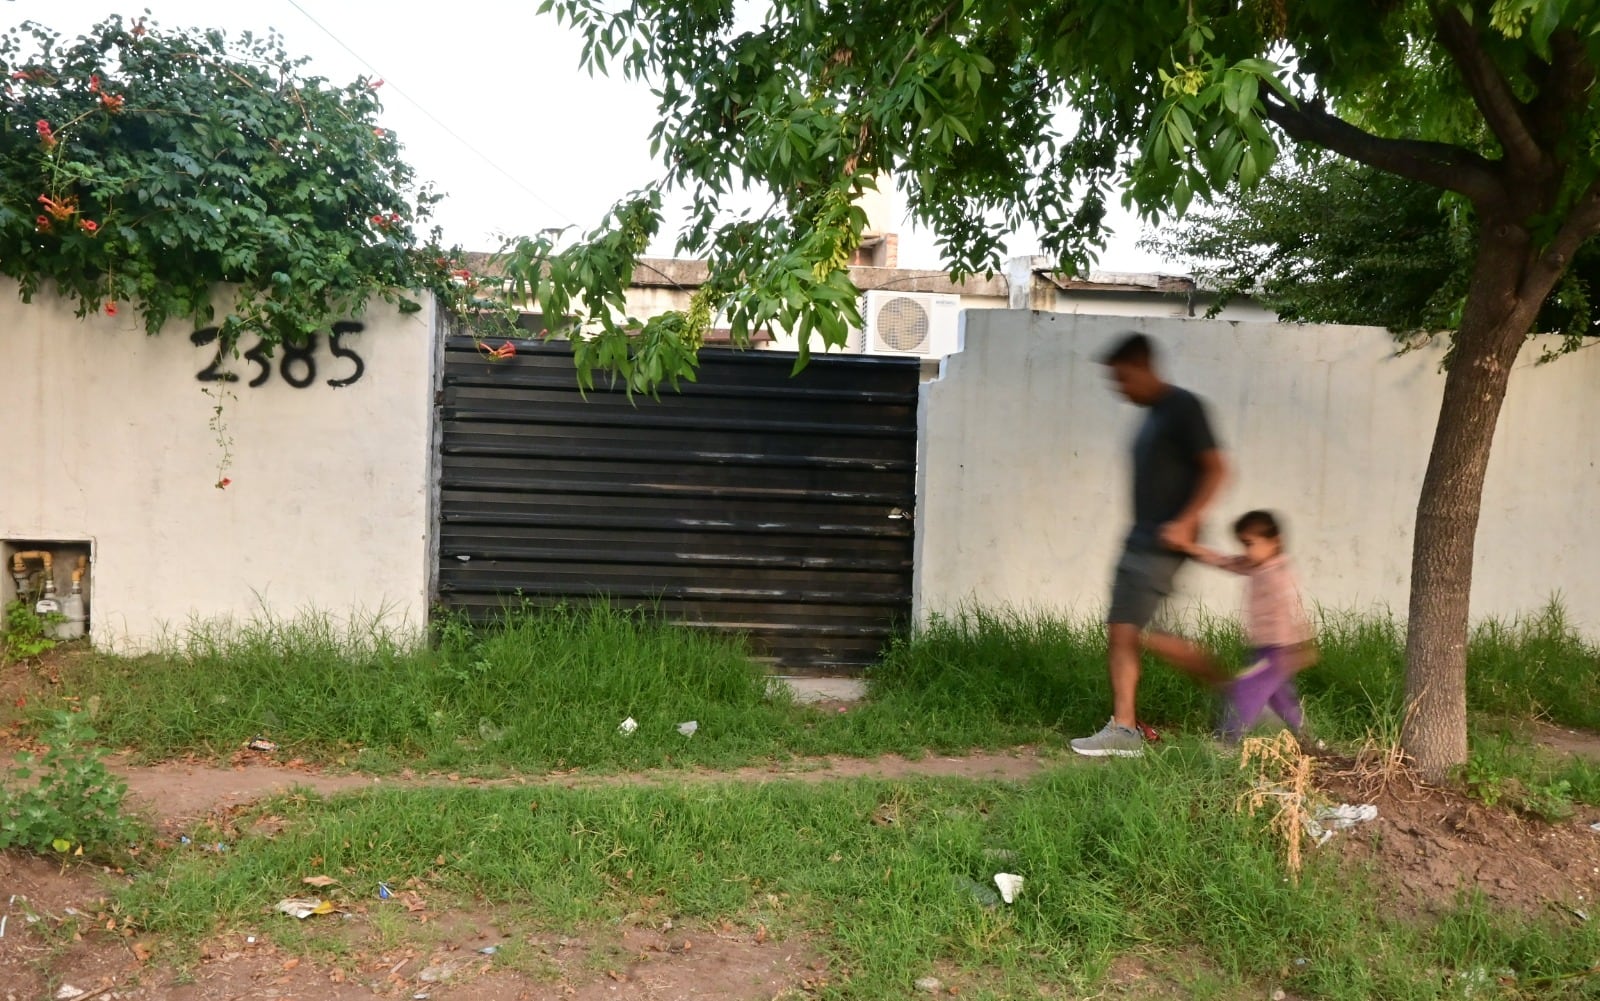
(902, 325)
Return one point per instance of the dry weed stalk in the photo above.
(1382, 765)
(1283, 777)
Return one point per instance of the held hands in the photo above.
(1180, 534)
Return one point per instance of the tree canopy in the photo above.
(1331, 241)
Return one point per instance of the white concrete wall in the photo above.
(1145, 304)
(1024, 479)
(106, 438)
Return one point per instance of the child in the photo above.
(1275, 625)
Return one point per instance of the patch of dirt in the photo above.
(67, 944)
(1431, 844)
(49, 916)
(174, 793)
(1181, 974)
(1571, 743)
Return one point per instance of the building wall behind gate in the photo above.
(105, 440)
(1023, 480)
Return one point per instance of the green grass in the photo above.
(1535, 667)
(1148, 859)
(985, 668)
(1506, 767)
(541, 690)
(547, 689)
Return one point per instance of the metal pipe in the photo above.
(19, 560)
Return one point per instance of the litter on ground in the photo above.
(303, 907)
(1010, 884)
(1322, 825)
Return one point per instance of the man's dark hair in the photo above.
(1132, 349)
(1262, 523)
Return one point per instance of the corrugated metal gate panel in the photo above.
(777, 507)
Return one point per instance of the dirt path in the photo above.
(172, 793)
(1432, 843)
(58, 935)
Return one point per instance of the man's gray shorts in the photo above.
(1143, 580)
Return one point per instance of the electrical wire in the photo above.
(432, 117)
(454, 135)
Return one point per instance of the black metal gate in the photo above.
(776, 507)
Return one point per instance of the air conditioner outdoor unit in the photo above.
(911, 324)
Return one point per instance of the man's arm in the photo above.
(1185, 528)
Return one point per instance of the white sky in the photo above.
(537, 143)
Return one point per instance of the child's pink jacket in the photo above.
(1273, 613)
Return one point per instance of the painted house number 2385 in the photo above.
(297, 363)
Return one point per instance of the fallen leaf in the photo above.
(290, 964)
(320, 881)
(618, 977)
(142, 952)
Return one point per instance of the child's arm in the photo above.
(1210, 557)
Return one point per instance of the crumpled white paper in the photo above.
(1322, 825)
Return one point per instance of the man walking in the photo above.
(1177, 470)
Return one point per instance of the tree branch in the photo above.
(1501, 109)
(1581, 225)
(1439, 164)
(927, 33)
(1562, 84)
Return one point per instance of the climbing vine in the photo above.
(188, 176)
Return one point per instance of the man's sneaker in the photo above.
(1114, 741)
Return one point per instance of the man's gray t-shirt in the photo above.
(1166, 463)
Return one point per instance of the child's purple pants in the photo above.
(1269, 683)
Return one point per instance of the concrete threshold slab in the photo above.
(808, 690)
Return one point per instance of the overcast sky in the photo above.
(490, 104)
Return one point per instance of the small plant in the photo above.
(65, 802)
(1551, 800)
(1485, 781)
(1502, 772)
(27, 633)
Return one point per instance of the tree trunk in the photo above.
(1494, 326)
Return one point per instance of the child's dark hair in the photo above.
(1262, 523)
